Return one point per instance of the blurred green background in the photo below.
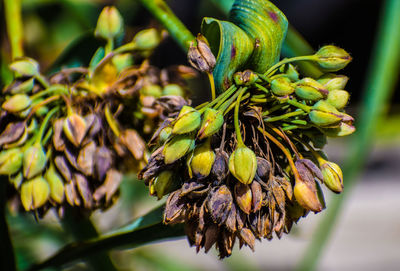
(366, 235)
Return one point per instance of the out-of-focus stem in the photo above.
(12, 10)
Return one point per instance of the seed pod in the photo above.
(34, 193)
(243, 164)
(332, 58)
(25, 66)
(332, 81)
(17, 103)
(309, 89)
(177, 147)
(211, 123)
(338, 98)
(10, 161)
(333, 176)
(189, 119)
(34, 160)
(243, 197)
(74, 128)
(202, 160)
(200, 55)
(147, 39)
(56, 184)
(163, 183)
(173, 89)
(324, 114)
(282, 86)
(110, 23)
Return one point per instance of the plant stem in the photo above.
(160, 10)
(303, 107)
(383, 74)
(290, 60)
(12, 10)
(285, 116)
(236, 118)
(212, 84)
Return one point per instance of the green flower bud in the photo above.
(324, 114)
(177, 147)
(202, 160)
(306, 195)
(211, 123)
(147, 39)
(17, 103)
(309, 89)
(74, 128)
(200, 55)
(290, 72)
(333, 176)
(34, 193)
(332, 81)
(109, 24)
(151, 90)
(344, 129)
(282, 86)
(243, 164)
(162, 183)
(165, 134)
(24, 87)
(34, 160)
(10, 161)
(16, 180)
(189, 119)
(338, 98)
(56, 184)
(332, 58)
(25, 66)
(173, 89)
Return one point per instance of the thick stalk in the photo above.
(383, 74)
(160, 10)
(12, 10)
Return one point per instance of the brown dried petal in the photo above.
(112, 182)
(211, 236)
(243, 197)
(240, 219)
(312, 167)
(220, 167)
(95, 126)
(219, 204)
(248, 237)
(71, 195)
(173, 208)
(263, 168)
(84, 190)
(86, 158)
(171, 104)
(58, 139)
(135, 144)
(154, 166)
(62, 166)
(225, 243)
(71, 157)
(256, 191)
(230, 222)
(191, 186)
(286, 186)
(279, 196)
(12, 132)
(103, 161)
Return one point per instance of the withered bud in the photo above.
(245, 78)
(75, 128)
(200, 55)
(220, 167)
(219, 204)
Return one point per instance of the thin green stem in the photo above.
(219, 100)
(228, 103)
(12, 10)
(212, 85)
(289, 60)
(285, 116)
(44, 124)
(57, 89)
(160, 10)
(236, 118)
(42, 80)
(383, 74)
(260, 87)
(303, 107)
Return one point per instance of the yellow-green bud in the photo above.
(306, 195)
(243, 164)
(338, 98)
(16, 180)
(34, 161)
(243, 197)
(202, 160)
(200, 55)
(25, 66)
(10, 161)
(163, 183)
(34, 193)
(282, 86)
(173, 89)
(344, 129)
(24, 87)
(332, 58)
(147, 39)
(165, 134)
(17, 103)
(151, 90)
(309, 89)
(56, 184)
(290, 72)
(332, 81)
(324, 114)
(211, 123)
(333, 176)
(110, 23)
(74, 128)
(189, 119)
(177, 147)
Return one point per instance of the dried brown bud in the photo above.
(200, 55)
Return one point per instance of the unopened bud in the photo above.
(163, 183)
(332, 81)
(211, 124)
(344, 129)
(147, 39)
(306, 195)
(110, 23)
(34, 193)
(244, 197)
(202, 160)
(246, 78)
(309, 89)
(324, 114)
(200, 55)
(24, 87)
(25, 66)
(243, 164)
(338, 98)
(290, 72)
(74, 128)
(333, 176)
(282, 86)
(173, 89)
(189, 119)
(165, 134)
(10, 161)
(56, 184)
(17, 103)
(34, 160)
(177, 147)
(220, 167)
(332, 58)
